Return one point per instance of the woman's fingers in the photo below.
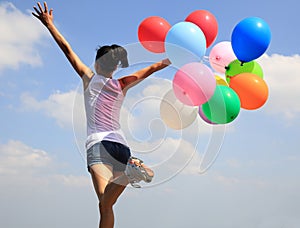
(40, 10)
(37, 12)
(46, 7)
(40, 7)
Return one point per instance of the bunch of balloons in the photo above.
(195, 84)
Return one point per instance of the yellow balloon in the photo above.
(221, 81)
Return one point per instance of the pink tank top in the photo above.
(103, 101)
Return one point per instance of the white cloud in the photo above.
(142, 103)
(235, 182)
(186, 152)
(234, 163)
(17, 158)
(33, 187)
(67, 109)
(281, 75)
(22, 165)
(157, 87)
(168, 157)
(20, 33)
(59, 106)
(72, 181)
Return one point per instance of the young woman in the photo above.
(109, 159)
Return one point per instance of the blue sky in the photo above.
(254, 180)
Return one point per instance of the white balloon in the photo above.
(221, 55)
(175, 114)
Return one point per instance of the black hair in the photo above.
(110, 56)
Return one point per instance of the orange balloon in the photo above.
(251, 89)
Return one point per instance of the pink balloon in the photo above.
(221, 55)
(194, 84)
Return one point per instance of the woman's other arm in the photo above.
(133, 79)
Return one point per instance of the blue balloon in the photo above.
(250, 38)
(185, 43)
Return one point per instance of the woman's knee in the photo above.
(106, 205)
(107, 201)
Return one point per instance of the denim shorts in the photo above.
(111, 153)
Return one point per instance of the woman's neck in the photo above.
(105, 74)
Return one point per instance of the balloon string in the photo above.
(207, 59)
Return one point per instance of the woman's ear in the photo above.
(97, 68)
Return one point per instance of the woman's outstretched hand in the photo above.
(45, 16)
(166, 62)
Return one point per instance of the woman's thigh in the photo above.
(102, 174)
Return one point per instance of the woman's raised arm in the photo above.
(46, 17)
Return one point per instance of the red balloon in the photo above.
(152, 32)
(207, 23)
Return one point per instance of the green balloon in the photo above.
(223, 107)
(236, 67)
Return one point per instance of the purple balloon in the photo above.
(202, 115)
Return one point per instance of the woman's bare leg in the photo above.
(108, 186)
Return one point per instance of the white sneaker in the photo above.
(136, 172)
